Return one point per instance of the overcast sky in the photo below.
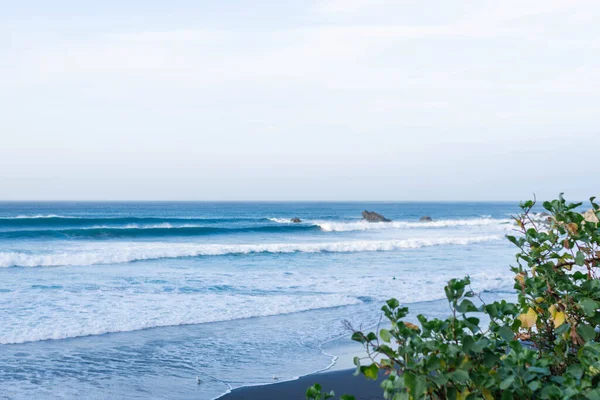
(299, 100)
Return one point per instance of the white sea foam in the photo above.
(329, 226)
(164, 225)
(38, 216)
(100, 310)
(157, 310)
(127, 252)
(281, 220)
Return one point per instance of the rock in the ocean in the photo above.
(590, 216)
(372, 216)
(426, 218)
(296, 220)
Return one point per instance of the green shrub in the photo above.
(543, 347)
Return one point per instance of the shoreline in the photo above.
(340, 381)
(338, 375)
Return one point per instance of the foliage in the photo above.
(314, 393)
(544, 347)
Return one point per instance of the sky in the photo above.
(299, 100)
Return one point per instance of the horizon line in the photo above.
(251, 201)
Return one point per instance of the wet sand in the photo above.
(341, 382)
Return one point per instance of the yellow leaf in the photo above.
(464, 361)
(463, 395)
(487, 395)
(573, 228)
(539, 310)
(528, 319)
(558, 317)
(539, 300)
(520, 279)
(411, 326)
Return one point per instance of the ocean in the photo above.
(136, 300)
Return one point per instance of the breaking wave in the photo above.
(363, 225)
(137, 231)
(128, 252)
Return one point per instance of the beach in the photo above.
(341, 382)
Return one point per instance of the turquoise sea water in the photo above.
(136, 300)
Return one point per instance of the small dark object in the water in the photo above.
(296, 220)
(426, 218)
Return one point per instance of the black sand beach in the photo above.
(341, 382)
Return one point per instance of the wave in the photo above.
(180, 308)
(68, 221)
(67, 225)
(183, 310)
(133, 231)
(36, 216)
(363, 225)
(129, 252)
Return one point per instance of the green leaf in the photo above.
(370, 371)
(551, 392)
(589, 306)
(534, 385)
(579, 258)
(539, 370)
(415, 383)
(313, 392)
(468, 344)
(357, 363)
(393, 303)
(460, 375)
(593, 394)
(358, 337)
(507, 395)
(385, 335)
(347, 397)
(578, 275)
(575, 370)
(505, 384)
(466, 306)
(490, 359)
(586, 332)
(506, 333)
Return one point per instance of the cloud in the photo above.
(333, 55)
(187, 35)
(337, 7)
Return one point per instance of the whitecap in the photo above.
(128, 252)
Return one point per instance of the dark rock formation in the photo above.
(426, 219)
(296, 220)
(371, 216)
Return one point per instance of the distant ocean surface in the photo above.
(135, 300)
